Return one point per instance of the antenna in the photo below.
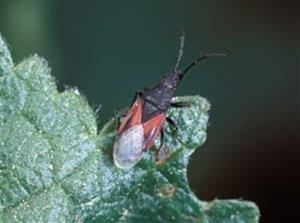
(180, 51)
(195, 62)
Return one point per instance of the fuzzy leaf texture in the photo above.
(56, 167)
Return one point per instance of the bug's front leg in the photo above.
(180, 104)
(170, 121)
(173, 124)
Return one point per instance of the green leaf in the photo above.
(6, 63)
(56, 167)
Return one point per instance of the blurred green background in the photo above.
(110, 49)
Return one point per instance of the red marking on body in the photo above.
(152, 128)
(133, 116)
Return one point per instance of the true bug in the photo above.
(145, 119)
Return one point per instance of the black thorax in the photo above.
(157, 98)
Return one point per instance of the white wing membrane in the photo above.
(128, 147)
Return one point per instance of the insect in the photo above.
(145, 119)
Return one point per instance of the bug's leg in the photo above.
(157, 152)
(173, 124)
(121, 114)
(179, 104)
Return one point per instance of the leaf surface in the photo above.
(56, 167)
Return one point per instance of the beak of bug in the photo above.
(129, 147)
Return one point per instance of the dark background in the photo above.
(110, 49)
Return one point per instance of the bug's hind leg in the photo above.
(180, 104)
(121, 114)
